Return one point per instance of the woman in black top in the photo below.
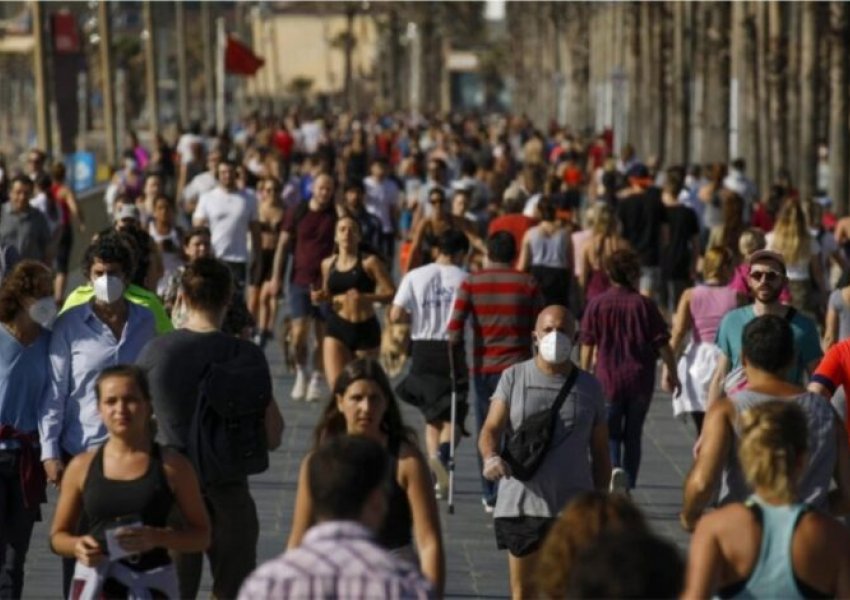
(363, 404)
(120, 495)
(352, 282)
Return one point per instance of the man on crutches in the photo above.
(437, 383)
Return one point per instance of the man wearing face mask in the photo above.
(577, 457)
(626, 334)
(105, 331)
(132, 292)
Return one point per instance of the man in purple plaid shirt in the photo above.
(339, 558)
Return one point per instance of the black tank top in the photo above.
(398, 524)
(356, 278)
(109, 503)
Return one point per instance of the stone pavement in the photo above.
(475, 569)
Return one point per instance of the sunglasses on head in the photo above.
(769, 276)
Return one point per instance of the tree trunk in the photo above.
(777, 67)
(716, 92)
(632, 103)
(793, 17)
(838, 106)
(699, 50)
(809, 108)
(762, 95)
(676, 89)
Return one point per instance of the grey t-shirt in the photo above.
(566, 469)
(836, 303)
(27, 231)
(174, 364)
(823, 453)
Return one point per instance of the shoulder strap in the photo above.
(565, 391)
(789, 316)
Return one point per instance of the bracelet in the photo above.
(491, 458)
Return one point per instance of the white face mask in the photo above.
(555, 347)
(108, 288)
(43, 311)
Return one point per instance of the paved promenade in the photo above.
(475, 568)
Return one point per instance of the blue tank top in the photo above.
(773, 575)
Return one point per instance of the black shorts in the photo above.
(365, 335)
(261, 270)
(521, 536)
(63, 249)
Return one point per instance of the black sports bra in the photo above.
(356, 278)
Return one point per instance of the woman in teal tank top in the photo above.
(771, 546)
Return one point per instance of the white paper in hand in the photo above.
(113, 546)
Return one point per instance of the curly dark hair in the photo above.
(26, 280)
(110, 247)
(623, 267)
(332, 422)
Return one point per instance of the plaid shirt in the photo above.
(337, 559)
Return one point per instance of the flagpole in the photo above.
(221, 40)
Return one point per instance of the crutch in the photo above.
(453, 420)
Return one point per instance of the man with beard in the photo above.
(766, 279)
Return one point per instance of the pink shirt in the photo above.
(708, 305)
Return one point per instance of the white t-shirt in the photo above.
(40, 202)
(381, 197)
(428, 294)
(228, 215)
(798, 271)
(201, 183)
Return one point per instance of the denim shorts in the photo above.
(300, 304)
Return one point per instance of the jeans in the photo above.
(233, 549)
(485, 387)
(16, 523)
(625, 430)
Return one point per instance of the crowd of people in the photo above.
(537, 276)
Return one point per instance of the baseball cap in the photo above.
(767, 255)
(127, 211)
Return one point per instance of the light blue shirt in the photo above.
(82, 345)
(806, 341)
(23, 382)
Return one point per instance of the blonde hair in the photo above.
(716, 261)
(751, 239)
(588, 516)
(791, 234)
(605, 222)
(774, 436)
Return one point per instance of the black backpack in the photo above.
(227, 438)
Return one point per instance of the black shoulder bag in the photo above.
(526, 447)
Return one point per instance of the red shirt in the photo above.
(284, 142)
(503, 304)
(627, 330)
(313, 238)
(515, 223)
(834, 371)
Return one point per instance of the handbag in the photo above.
(525, 447)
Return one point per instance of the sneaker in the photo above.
(619, 481)
(316, 389)
(299, 390)
(441, 476)
(488, 508)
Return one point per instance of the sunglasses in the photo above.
(769, 276)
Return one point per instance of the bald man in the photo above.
(308, 235)
(577, 459)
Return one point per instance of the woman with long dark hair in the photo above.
(363, 404)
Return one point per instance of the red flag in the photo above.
(239, 59)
